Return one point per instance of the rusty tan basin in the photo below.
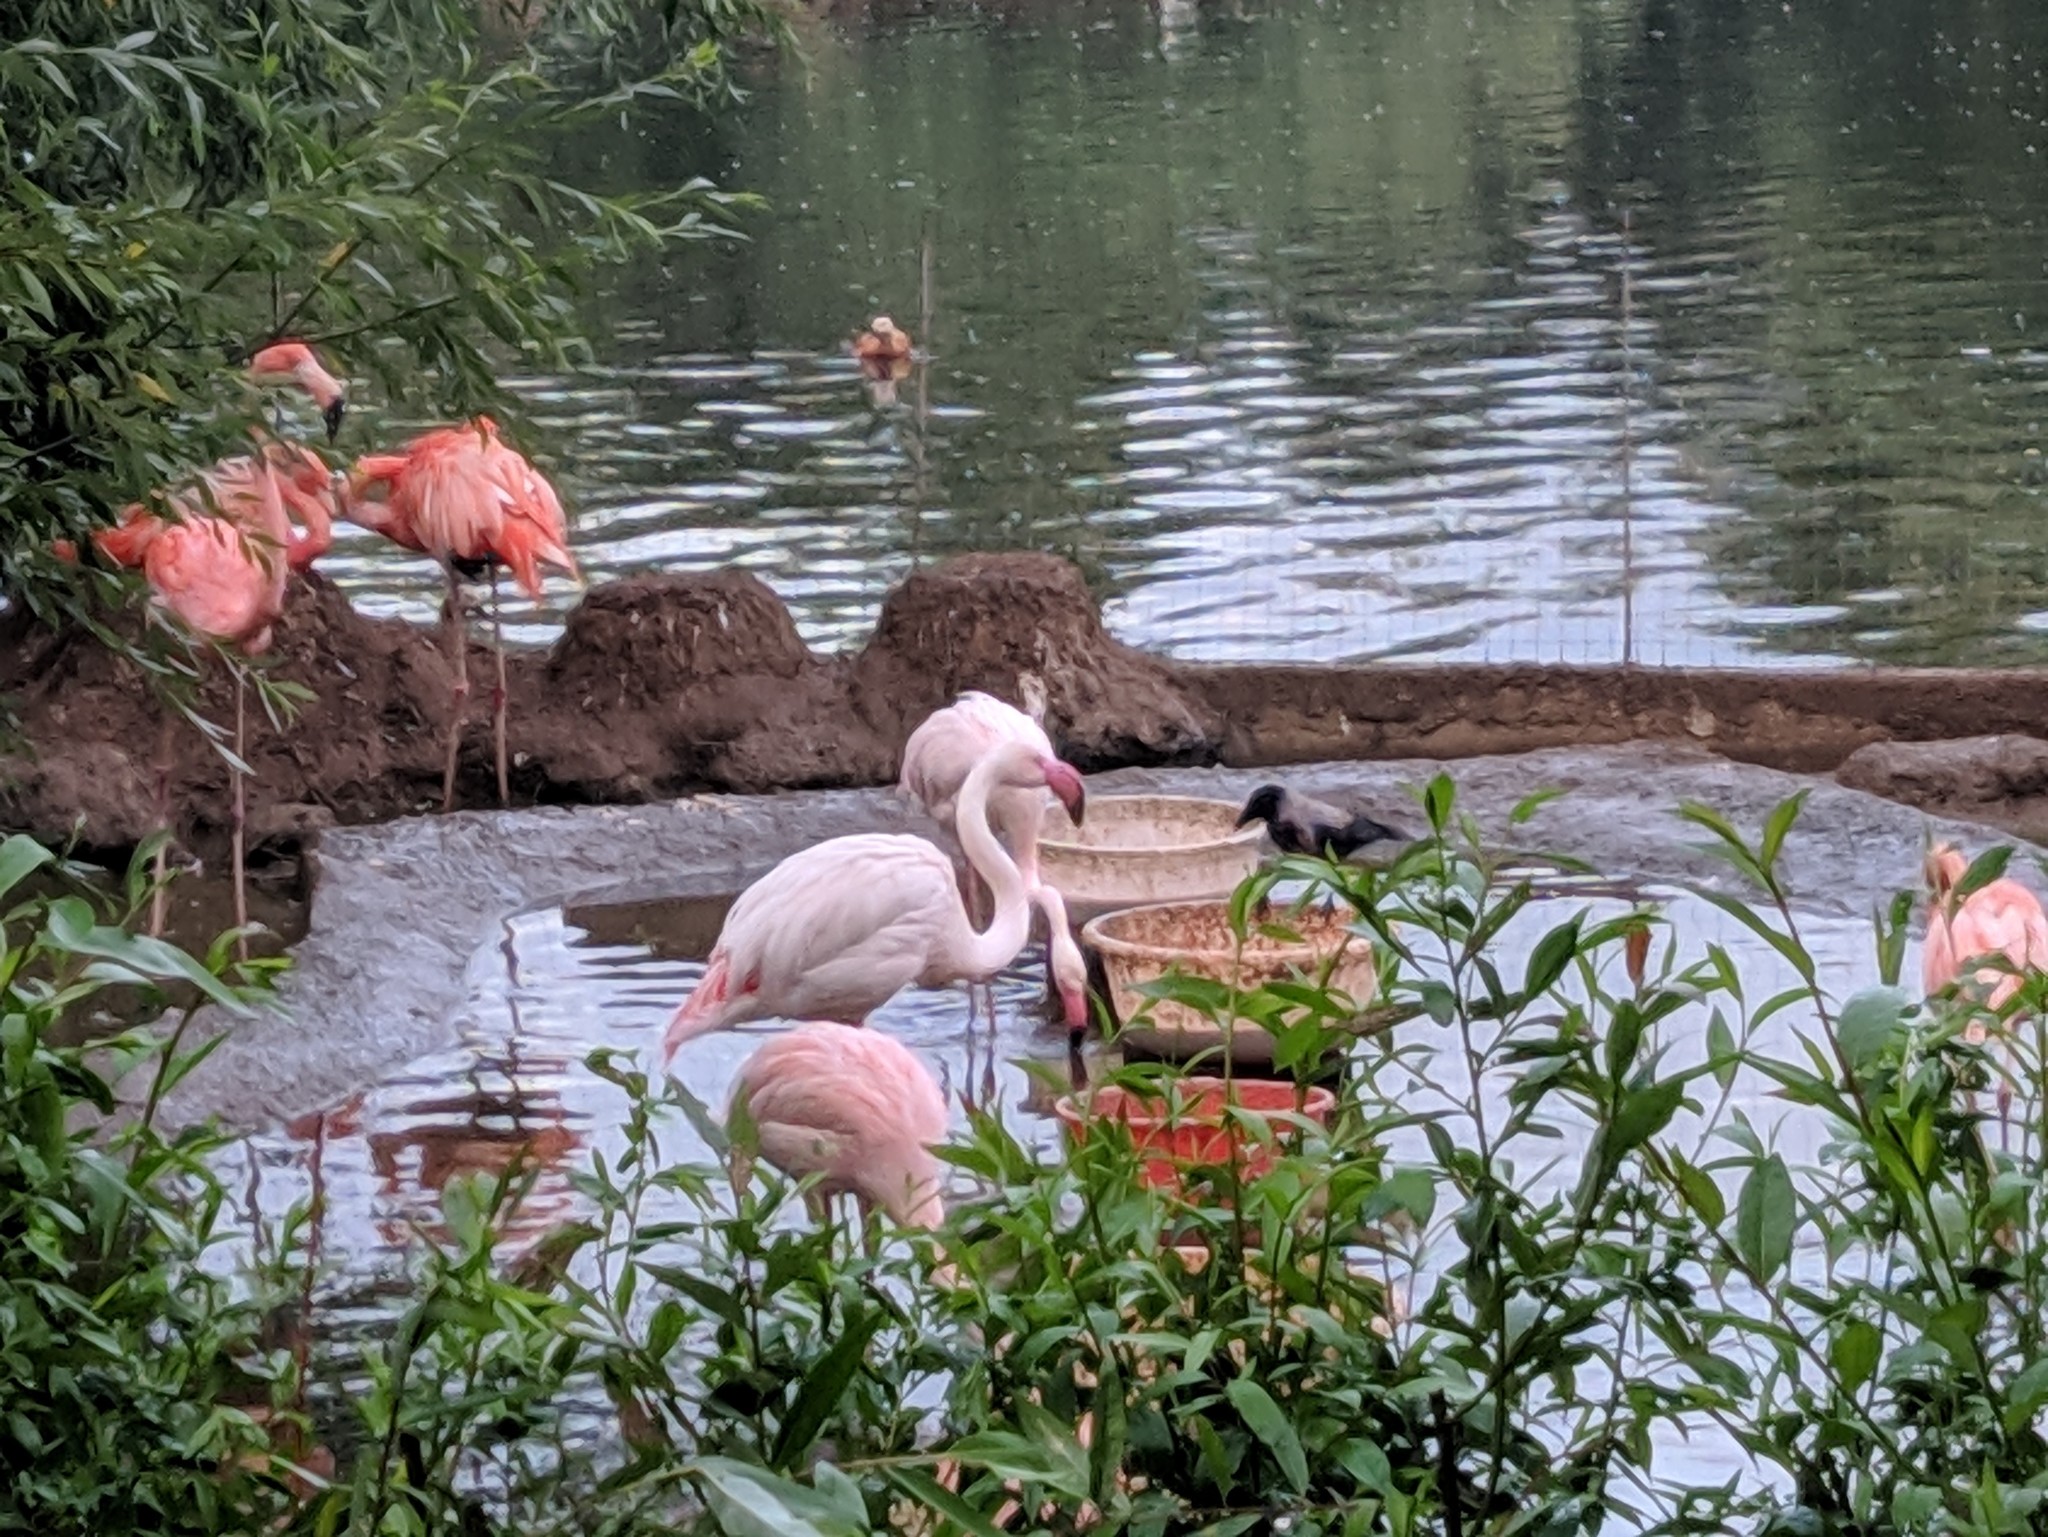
(1136, 849)
(1139, 944)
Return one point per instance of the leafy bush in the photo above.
(186, 179)
(128, 1367)
(1546, 1240)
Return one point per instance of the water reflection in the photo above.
(1302, 328)
(516, 1094)
(515, 1091)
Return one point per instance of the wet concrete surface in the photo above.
(408, 917)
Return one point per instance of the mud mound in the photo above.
(2002, 780)
(670, 682)
(986, 621)
(363, 746)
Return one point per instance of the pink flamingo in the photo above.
(223, 579)
(838, 930)
(219, 563)
(472, 502)
(293, 362)
(2001, 918)
(936, 762)
(856, 1108)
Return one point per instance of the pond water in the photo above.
(563, 982)
(1302, 328)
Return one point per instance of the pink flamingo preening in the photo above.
(223, 579)
(465, 497)
(838, 930)
(854, 1107)
(937, 760)
(2000, 919)
(219, 563)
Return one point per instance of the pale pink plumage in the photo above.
(936, 762)
(1999, 919)
(854, 1107)
(836, 931)
(462, 494)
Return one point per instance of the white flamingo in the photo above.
(835, 932)
(937, 760)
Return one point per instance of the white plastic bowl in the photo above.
(1135, 849)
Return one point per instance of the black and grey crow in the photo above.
(1300, 824)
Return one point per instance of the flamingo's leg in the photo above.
(498, 698)
(159, 897)
(458, 647)
(316, 1219)
(241, 814)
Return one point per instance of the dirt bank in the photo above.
(669, 684)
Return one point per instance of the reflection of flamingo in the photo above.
(2000, 919)
(472, 502)
(936, 762)
(854, 1107)
(838, 930)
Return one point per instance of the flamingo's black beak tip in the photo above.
(331, 414)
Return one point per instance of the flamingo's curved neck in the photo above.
(997, 945)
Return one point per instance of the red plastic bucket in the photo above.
(1196, 1131)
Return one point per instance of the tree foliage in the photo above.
(186, 179)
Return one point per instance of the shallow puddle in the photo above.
(561, 983)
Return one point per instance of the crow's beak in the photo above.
(332, 416)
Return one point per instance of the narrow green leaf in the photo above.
(823, 1386)
(1984, 869)
(1263, 1417)
(753, 1502)
(1778, 825)
(20, 856)
(1553, 953)
(1854, 1353)
(922, 1489)
(1764, 1214)
(1530, 804)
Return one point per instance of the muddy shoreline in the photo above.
(670, 685)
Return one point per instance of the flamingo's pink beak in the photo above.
(1064, 780)
(678, 1031)
(1074, 1002)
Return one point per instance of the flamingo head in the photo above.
(292, 362)
(1944, 869)
(1070, 976)
(1064, 780)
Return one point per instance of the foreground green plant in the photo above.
(186, 179)
(128, 1364)
(1550, 1268)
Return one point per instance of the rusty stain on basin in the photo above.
(1140, 944)
(1146, 848)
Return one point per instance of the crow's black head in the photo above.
(1264, 806)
